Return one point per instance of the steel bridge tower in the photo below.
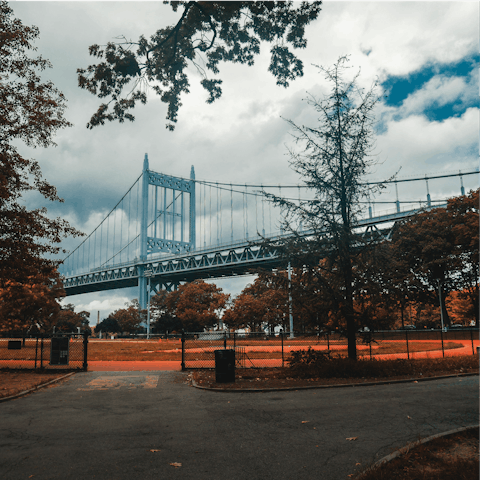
(167, 223)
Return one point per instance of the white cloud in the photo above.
(241, 137)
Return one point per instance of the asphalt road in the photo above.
(134, 425)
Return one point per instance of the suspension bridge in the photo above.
(166, 230)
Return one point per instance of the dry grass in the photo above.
(118, 350)
(16, 381)
(447, 458)
(365, 371)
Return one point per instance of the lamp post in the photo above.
(148, 274)
(290, 314)
(441, 302)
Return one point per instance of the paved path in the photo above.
(133, 425)
(132, 366)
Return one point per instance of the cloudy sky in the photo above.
(424, 54)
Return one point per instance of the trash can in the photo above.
(224, 366)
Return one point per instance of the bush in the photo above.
(317, 364)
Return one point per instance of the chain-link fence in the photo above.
(258, 350)
(59, 352)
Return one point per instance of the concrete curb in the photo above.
(411, 445)
(343, 385)
(38, 387)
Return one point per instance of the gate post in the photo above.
(85, 350)
(441, 336)
(41, 352)
(183, 350)
(281, 336)
(406, 338)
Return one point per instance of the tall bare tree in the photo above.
(333, 159)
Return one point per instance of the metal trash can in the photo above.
(224, 366)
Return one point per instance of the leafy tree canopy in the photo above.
(69, 321)
(208, 33)
(31, 111)
(196, 304)
(29, 306)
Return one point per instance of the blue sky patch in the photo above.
(399, 88)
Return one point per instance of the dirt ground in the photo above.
(264, 378)
(450, 457)
(17, 381)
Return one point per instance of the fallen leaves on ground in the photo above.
(176, 464)
(351, 438)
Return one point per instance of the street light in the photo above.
(148, 274)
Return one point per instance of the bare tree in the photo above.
(332, 160)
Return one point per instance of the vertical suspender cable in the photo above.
(128, 224)
(263, 213)
(221, 229)
(256, 214)
(114, 236)
(204, 215)
(231, 213)
(246, 211)
(210, 215)
(243, 199)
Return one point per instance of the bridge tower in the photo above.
(167, 223)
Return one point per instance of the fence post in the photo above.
(85, 350)
(183, 350)
(471, 338)
(328, 340)
(441, 336)
(234, 340)
(408, 351)
(225, 340)
(41, 353)
(370, 349)
(281, 336)
(36, 353)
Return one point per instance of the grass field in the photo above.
(171, 349)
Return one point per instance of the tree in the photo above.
(162, 320)
(29, 306)
(128, 319)
(69, 321)
(31, 111)
(197, 305)
(108, 325)
(334, 158)
(464, 214)
(214, 31)
(440, 249)
(424, 242)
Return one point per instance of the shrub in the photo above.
(317, 364)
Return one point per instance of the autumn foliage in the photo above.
(396, 282)
(192, 307)
(31, 112)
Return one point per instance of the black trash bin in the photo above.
(224, 366)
